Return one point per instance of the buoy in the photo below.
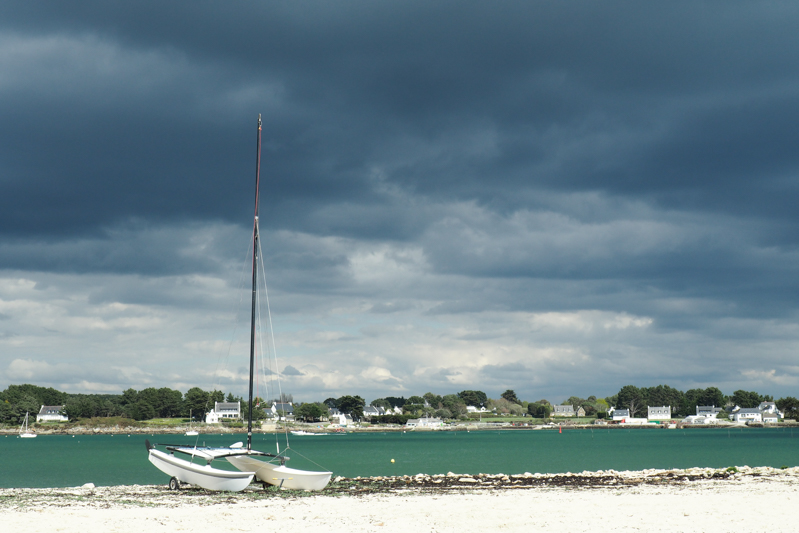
(392, 460)
(560, 429)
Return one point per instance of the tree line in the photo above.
(164, 402)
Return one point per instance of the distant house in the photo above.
(708, 410)
(370, 410)
(223, 411)
(284, 411)
(700, 419)
(424, 423)
(659, 413)
(768, 407)
(473, 409)
(580, 411)
(51, 413)
(747, 415)
(770, 418)
(621, 414)
(339, 418)
(563, 410)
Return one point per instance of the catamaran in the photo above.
(267, 468)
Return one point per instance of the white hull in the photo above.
(203, 476)
(27, 435)
(191, 433)
(281, 475)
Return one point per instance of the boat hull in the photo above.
(281, 475)
(203, 476)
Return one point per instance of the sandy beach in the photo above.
(752, 499)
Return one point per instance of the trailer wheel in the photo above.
(174, 484)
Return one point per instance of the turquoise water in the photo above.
(65, 461)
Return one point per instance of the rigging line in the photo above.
(272, 333)
(261, 352)
(307, 459)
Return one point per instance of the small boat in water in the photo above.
(24, 432)
(191, 432)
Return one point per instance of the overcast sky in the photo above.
(558, 198)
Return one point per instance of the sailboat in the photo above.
(273, 473)
(24, 432)
(250, 463)
(191, 432)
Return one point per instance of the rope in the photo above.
(271, 334)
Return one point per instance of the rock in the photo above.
(87, 486)
(467, 480)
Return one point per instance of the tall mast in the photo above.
(254, 281)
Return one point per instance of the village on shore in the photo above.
(138, 412)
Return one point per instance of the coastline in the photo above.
(696, 499)
(484, 426)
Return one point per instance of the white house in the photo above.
(284, 411)
(747, 415)
(51, 413)
(340, 419)
(473, 409)
(370, 410)
(708, 410)
(223, 411)
(659, 413)
(700, 419)
(770, 418)
(768, 407)
(620, 414)
(424, 423)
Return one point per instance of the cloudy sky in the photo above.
(556, 198)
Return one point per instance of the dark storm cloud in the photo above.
(420, 160)
(470, 103)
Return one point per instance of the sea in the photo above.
(105, 460)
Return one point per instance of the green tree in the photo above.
(630, 397)
(381, 402)
(396, 401)
(351, 405)
(746, 399)
(454, 404)
(169, 402)
(196, 402)
(510, 396)
(789, 407)
(308, 411)
(539, 410)
(474, 398)
(141, 410)
(81, 406)
(434, 400)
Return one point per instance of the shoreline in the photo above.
(697, 499)
(484, 426)
(422, 484)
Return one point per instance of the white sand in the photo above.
(741, 505)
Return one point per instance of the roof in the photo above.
(752, 410)
(285, 407)
(50, 409)
(562, 408)
(227, 405)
